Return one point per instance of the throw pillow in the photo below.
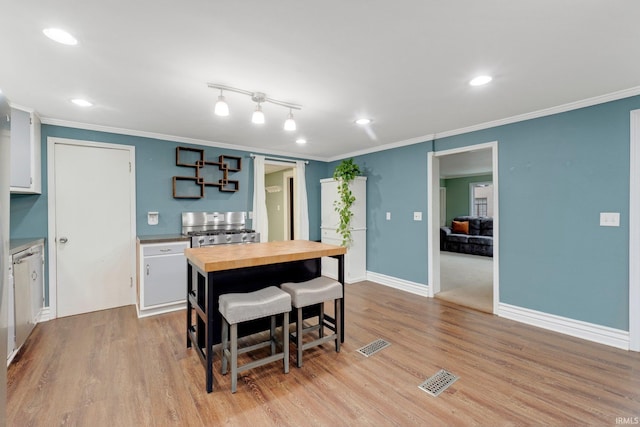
(460, 227)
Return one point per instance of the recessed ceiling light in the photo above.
(301, 141)
(60, 36)
(480, 80)
(363, 121)
(81, 102)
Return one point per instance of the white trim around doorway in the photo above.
(634, 232)
(433, 223)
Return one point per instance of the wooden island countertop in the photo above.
(229, 257)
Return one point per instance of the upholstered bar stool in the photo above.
(313, 292)
(236, 308)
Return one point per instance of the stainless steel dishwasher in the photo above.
(27, 279)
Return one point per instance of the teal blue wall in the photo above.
(556, 174)
(155, 167)
(459, 195)
(396, 183)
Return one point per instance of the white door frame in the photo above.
(51, 206)
(634, 232)
(433, 207)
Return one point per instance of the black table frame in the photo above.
(204, 288)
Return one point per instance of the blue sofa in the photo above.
(478, 240)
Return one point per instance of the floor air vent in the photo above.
(374, 347)
(438, 383)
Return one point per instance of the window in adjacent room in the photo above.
(481, 199)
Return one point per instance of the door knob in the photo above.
(63, 240)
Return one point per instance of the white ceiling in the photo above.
(406, 64)
(476, 162)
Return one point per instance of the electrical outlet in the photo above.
(610, 219)
(417, 216)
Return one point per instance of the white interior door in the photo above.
(93, 228)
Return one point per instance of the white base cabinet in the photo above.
(162, 277)
(355, 260)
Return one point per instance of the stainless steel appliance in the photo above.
(27, 279)
(217, 228)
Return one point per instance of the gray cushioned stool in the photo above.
(313, 292)
(242, 307)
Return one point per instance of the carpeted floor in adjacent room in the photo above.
(467, 280)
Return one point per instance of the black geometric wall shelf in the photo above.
(206, 173)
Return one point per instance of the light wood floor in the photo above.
(111, 369)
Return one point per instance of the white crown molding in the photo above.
(589, 102)
(626, 93)
(170, 138)
(403, 285)
(467, 175)
(575, 328)
(397, 144)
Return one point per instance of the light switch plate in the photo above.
(388, 216)
(610, 219)
(152, 218)
(417, 216)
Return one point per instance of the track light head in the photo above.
(290, 124)
(258, 115)
(221, 108)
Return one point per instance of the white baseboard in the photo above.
(167, 308)
(403, 285)
(575, 328)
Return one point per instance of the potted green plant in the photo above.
(344, 173)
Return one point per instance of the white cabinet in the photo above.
(355, 261)
(25, 151)
(162, 277)
(26, 296)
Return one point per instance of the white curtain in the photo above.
(302, 223)
(260, 220)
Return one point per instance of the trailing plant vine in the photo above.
(344, 173)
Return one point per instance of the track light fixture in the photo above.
(222, 109)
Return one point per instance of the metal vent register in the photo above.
(438, 383)
(373, 347)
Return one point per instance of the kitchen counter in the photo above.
(228, 257)
(163, 238)
(19, 245)
(216, 270)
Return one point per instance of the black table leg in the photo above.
(210, 310)
(341, 280)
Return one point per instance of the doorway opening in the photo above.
(462, 271)
(279, 183)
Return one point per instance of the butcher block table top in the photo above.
(229, 257)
